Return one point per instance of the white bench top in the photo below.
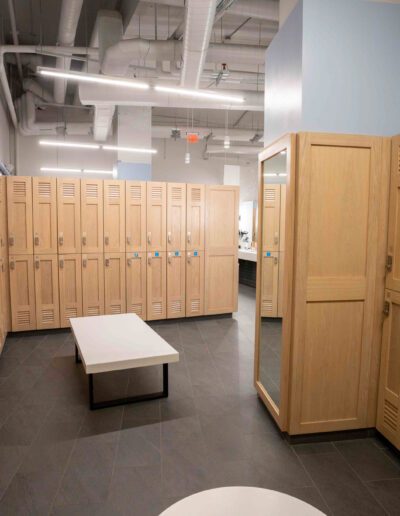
(115, 342)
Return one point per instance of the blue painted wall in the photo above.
(134, 171)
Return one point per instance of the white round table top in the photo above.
(241, 501)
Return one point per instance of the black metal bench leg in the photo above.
(77, 358)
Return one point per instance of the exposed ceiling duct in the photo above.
(199, 20)
(69, 17)
(38, 90)
(214, 133)
(259, 9)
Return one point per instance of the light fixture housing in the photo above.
(109, 80)
(201, 94)
(129, 149)
(75, 145)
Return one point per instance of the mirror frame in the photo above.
(288, 143)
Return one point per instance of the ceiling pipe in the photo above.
(38, 90)
(213, 133)
(14, 32)
(199, 20)
(259, 9)
(239, 149)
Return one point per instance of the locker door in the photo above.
(70, 281)
(269, 285)
(195, 217)
(271, 217)
(393, 264)
(44, 215)
(281, 262)
(114, 283)
(194, 283)
(156, 286)
(389, 396)
(92, 215)
(176, 289)
(46, 291)
(69, 215)
(136, 284)
(114, 216)
(176, 216)
(19, 202)
(22, 293)
(135, 216)
(156, 216)
(3, 216)
(93, 284)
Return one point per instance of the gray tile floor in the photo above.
(57, 457)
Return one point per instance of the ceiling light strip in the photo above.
(201, 94)
(77, 145)
(129, 149)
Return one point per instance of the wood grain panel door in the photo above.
(114, 283)
(195, 217)
(388, 422)
(93, 284)
(176, 216)
(194, 283)
(271, 217)
(22, 293)
(337, 298)
(3, 217)
(44, 215)
(46, 291)
(114, 216)
(136, 278)
(269, 284)
(70, 286)
(156, 286)
(393, 263)
(176, 288)
(156, 216)
(136, 216)
(20, 226)
(69, 215)
(92, 215)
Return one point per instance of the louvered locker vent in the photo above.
(115, 309)
(156, 193)
(176, 193)
(68, 190)
(137, 309)
(135, 192)
(19, 188)
(23, 318)
(47, 316)
(157, 308)
(92, 190)
(114, 192)
(195, 305)
(71, 312)
(196, 194)
(176, 307)
(267, 306)
(390, 415)
(269, 195)
(44, 189)
(93, 310)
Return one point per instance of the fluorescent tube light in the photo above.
(92, 77)
(129, 149)
(56, 143)
(187, 158)
(271, 174)
(201, 94)
(57, 169)
(227, 142)
(282, 175)
(88, 171)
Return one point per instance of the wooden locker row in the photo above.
(5, 322)
(70, 216)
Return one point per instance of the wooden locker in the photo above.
(271, 217)
(156, 286)
(44, 215)
(135, 216)
(3, 302)
(69, 215)
(393, 258)
(70, 283)
(194, 283)
(156, 216)
(282, 219)
(221, 261)
(281, 265)
(3, 217)
(22, 293)
(114, 216)
(136, 284)
(176, 216)
(195, 217)
(114, 283)
(388, 422)
(46, 291)
(93, 284)
(92, 215)
(176, 289)
(19, 204)
(269, 284)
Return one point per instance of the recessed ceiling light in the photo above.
(129, 149)
(60, 169)
(56, 143)
(202, 94)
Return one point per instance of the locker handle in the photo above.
(84, 239)
(84, 262)
(276, 239)
(386, 308)
(107, 262)
(128, 240)
(276, 260)
(37, 263)
(189, 258)
(61, 263)
(129, 262)
(149, 260)
(189, 237)
(2, 264)
(37, 240)
(149, 237)
(61, 238)
(169, 237)
(106, 239)
(169, 258)
(12, 264)
(11, 240)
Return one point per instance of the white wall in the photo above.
(5, 150)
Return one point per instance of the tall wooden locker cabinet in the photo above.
(92, 215)
(136, 284)
(194, 283)
(5, 315)
(176, 216)
(44, 215)
(114, 216)
(69, 215)
(70, 283)
(19, 206)
(114, 283)
(221, 262)
(22, 293)
(46, 291)
(195, 217)
(135, 216)
(156, 216)
(176, 279)
(93, 284)
(156, 286)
